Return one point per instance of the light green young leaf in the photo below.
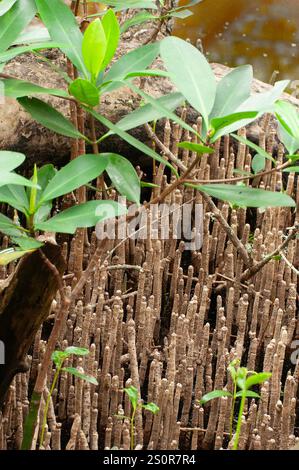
(85, 92)
(94, 48)
(264, 102)
(16, 51)
(80, 375)
(76, 351)
(257, 379)
(10, 160)
(46, 115)
(9, 255)
(58, 357)
(198, 148)
(248, 394)
(232, 90)
(139, 18)
(8, 227)
(288, 117)
(291, 143)
(152, 407)
(82, 216)
(232, 122)
(14, 21)
(112, 33)
(126, 4)
(191, 74)
(132, 393)
(76, 173)
(63, 29)
(258, 163)
(15, 88)
(123, 176)
(291, 169)
(247, 197)
(214, 394)
(5, 5)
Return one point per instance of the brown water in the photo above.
(264, 33)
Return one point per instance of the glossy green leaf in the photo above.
(291, 143)
(248, 394)
(132, 393)
(58, 357)
(10, 160)
(5, 5)
(26, 243)
(149, 113)
(253, 146)
(131, 140)
(16, 51)
(76, 173)
(247, 197)
(220, 126)
(112, 33)
(15, 196)
(46, 115)
(18, 88)
(257, 379)
(123, 176)
(94, 48)
(63, 29)
(138, 59)
(126, 4)
(198, 148)
(8, 227)
(76, 351)
(214, 394)
(232, 90)
(81, 216)
(291, 169)
(85, 92)
(148, 73)
(7, 178)
(258, 163)
(139, 18)
(152, 407)
(288, 117)
(191, 74)
(9, 255)
(264, 102)
(80, 375)
(14, 21)
(33, 35)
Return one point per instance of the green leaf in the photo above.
(290, 142)
(291, 169)
(144, 184)
(8, 227)
(26, 243)
(78, 172)
(33, 192)
(5, 5)
(14, 21)
(258, 163)
(85, 92)
(46, 115)
(191, 74)
(149, 113)
(253, 146)
(148, 73)
(44, 176)
(63, 28)
(10, 160)
(195, 147)
(232, 122)
(247, 197)
(263, 102)
(15, 88)
(257, 379)
(76, 351)
(112, 33)
(58, 357)
(139, 18)
(15, 196)
(214, 394)
(33, 35)
(248, 394)
(138, 59)
(123, 176)
(232, 370)
(152, 407)
(81, 216)
(182, 14)
(288, 117)
(80, 375)
(241, 377)
(9, 255)
(16, 51)
(126, 4)
(132, 393)
(94, 48)
(12, 178)
(232, 90)
(131, 140)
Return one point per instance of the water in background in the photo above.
(264, 33)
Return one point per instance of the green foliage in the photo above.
(94, 48)
(244, 380)
(14, 21)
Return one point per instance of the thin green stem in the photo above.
(133, 428)
(48, 404)
(232, 413)
(239, 424)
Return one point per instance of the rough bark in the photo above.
(24, 305)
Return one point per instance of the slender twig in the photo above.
(296, 271)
